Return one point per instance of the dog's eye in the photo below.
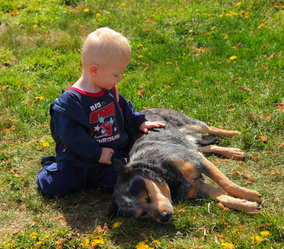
(148, 199)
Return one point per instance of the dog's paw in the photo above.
(233, 133)
(252, 208)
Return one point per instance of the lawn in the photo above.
(217, 61)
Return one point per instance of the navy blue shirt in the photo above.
(82, 123)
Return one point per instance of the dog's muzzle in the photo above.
(165, 217)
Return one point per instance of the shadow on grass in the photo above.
(83, 211)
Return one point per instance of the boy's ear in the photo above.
(93, 69)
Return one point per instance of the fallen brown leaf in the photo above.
(61, 243)
(263, 139)
(244, 88)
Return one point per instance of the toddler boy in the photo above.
(91, 122)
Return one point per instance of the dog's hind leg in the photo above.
(233, 189)
(248, 207)
(204, 128)
(232, 153)
(220, 132)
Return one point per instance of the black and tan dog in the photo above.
(167, 163)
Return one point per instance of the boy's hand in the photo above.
(149, 125)
(106, 156)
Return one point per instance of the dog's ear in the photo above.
(112, 210)
(122, 170)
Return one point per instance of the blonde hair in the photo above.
(103, 45)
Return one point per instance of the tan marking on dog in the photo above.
(186, 169)
(246, 206)
(190, 174)
(220, 132)
(230, 187)
(209, 130)
(165, 189)
(194, 190)
(194, 128)
(160, 199)
(232, 153)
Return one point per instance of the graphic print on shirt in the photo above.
(103, 122)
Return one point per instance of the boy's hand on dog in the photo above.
(144, 127)
(106, 156)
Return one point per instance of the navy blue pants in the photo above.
(56, 179)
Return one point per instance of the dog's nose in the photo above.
(166, 216)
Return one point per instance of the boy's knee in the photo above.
(50, 180)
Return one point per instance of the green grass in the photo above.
(182, 57)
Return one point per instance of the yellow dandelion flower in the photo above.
(86, 10)
(86, 242)
(98, 15)
(140, 45)
(140, 56)
(221, 15)
(35, 26)
(214, 27)
(98, 240)
(142, 245)
(256, 239)
(276, 6)
(156, 242)
(116, 224)
(123, 4)
(233, 57)
(227, 245)
(239, 3)
(107, 12)
(43, 27)
(39, 243)
(227, 14)
(39, 98)
(264, 233)
(261, 25)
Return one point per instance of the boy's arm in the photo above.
(76, 138)
(131, 116)
(136, 119)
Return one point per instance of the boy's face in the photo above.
(109, 75)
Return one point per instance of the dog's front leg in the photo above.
(248, 207)
(233, 189)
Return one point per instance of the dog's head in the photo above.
(140, 195)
